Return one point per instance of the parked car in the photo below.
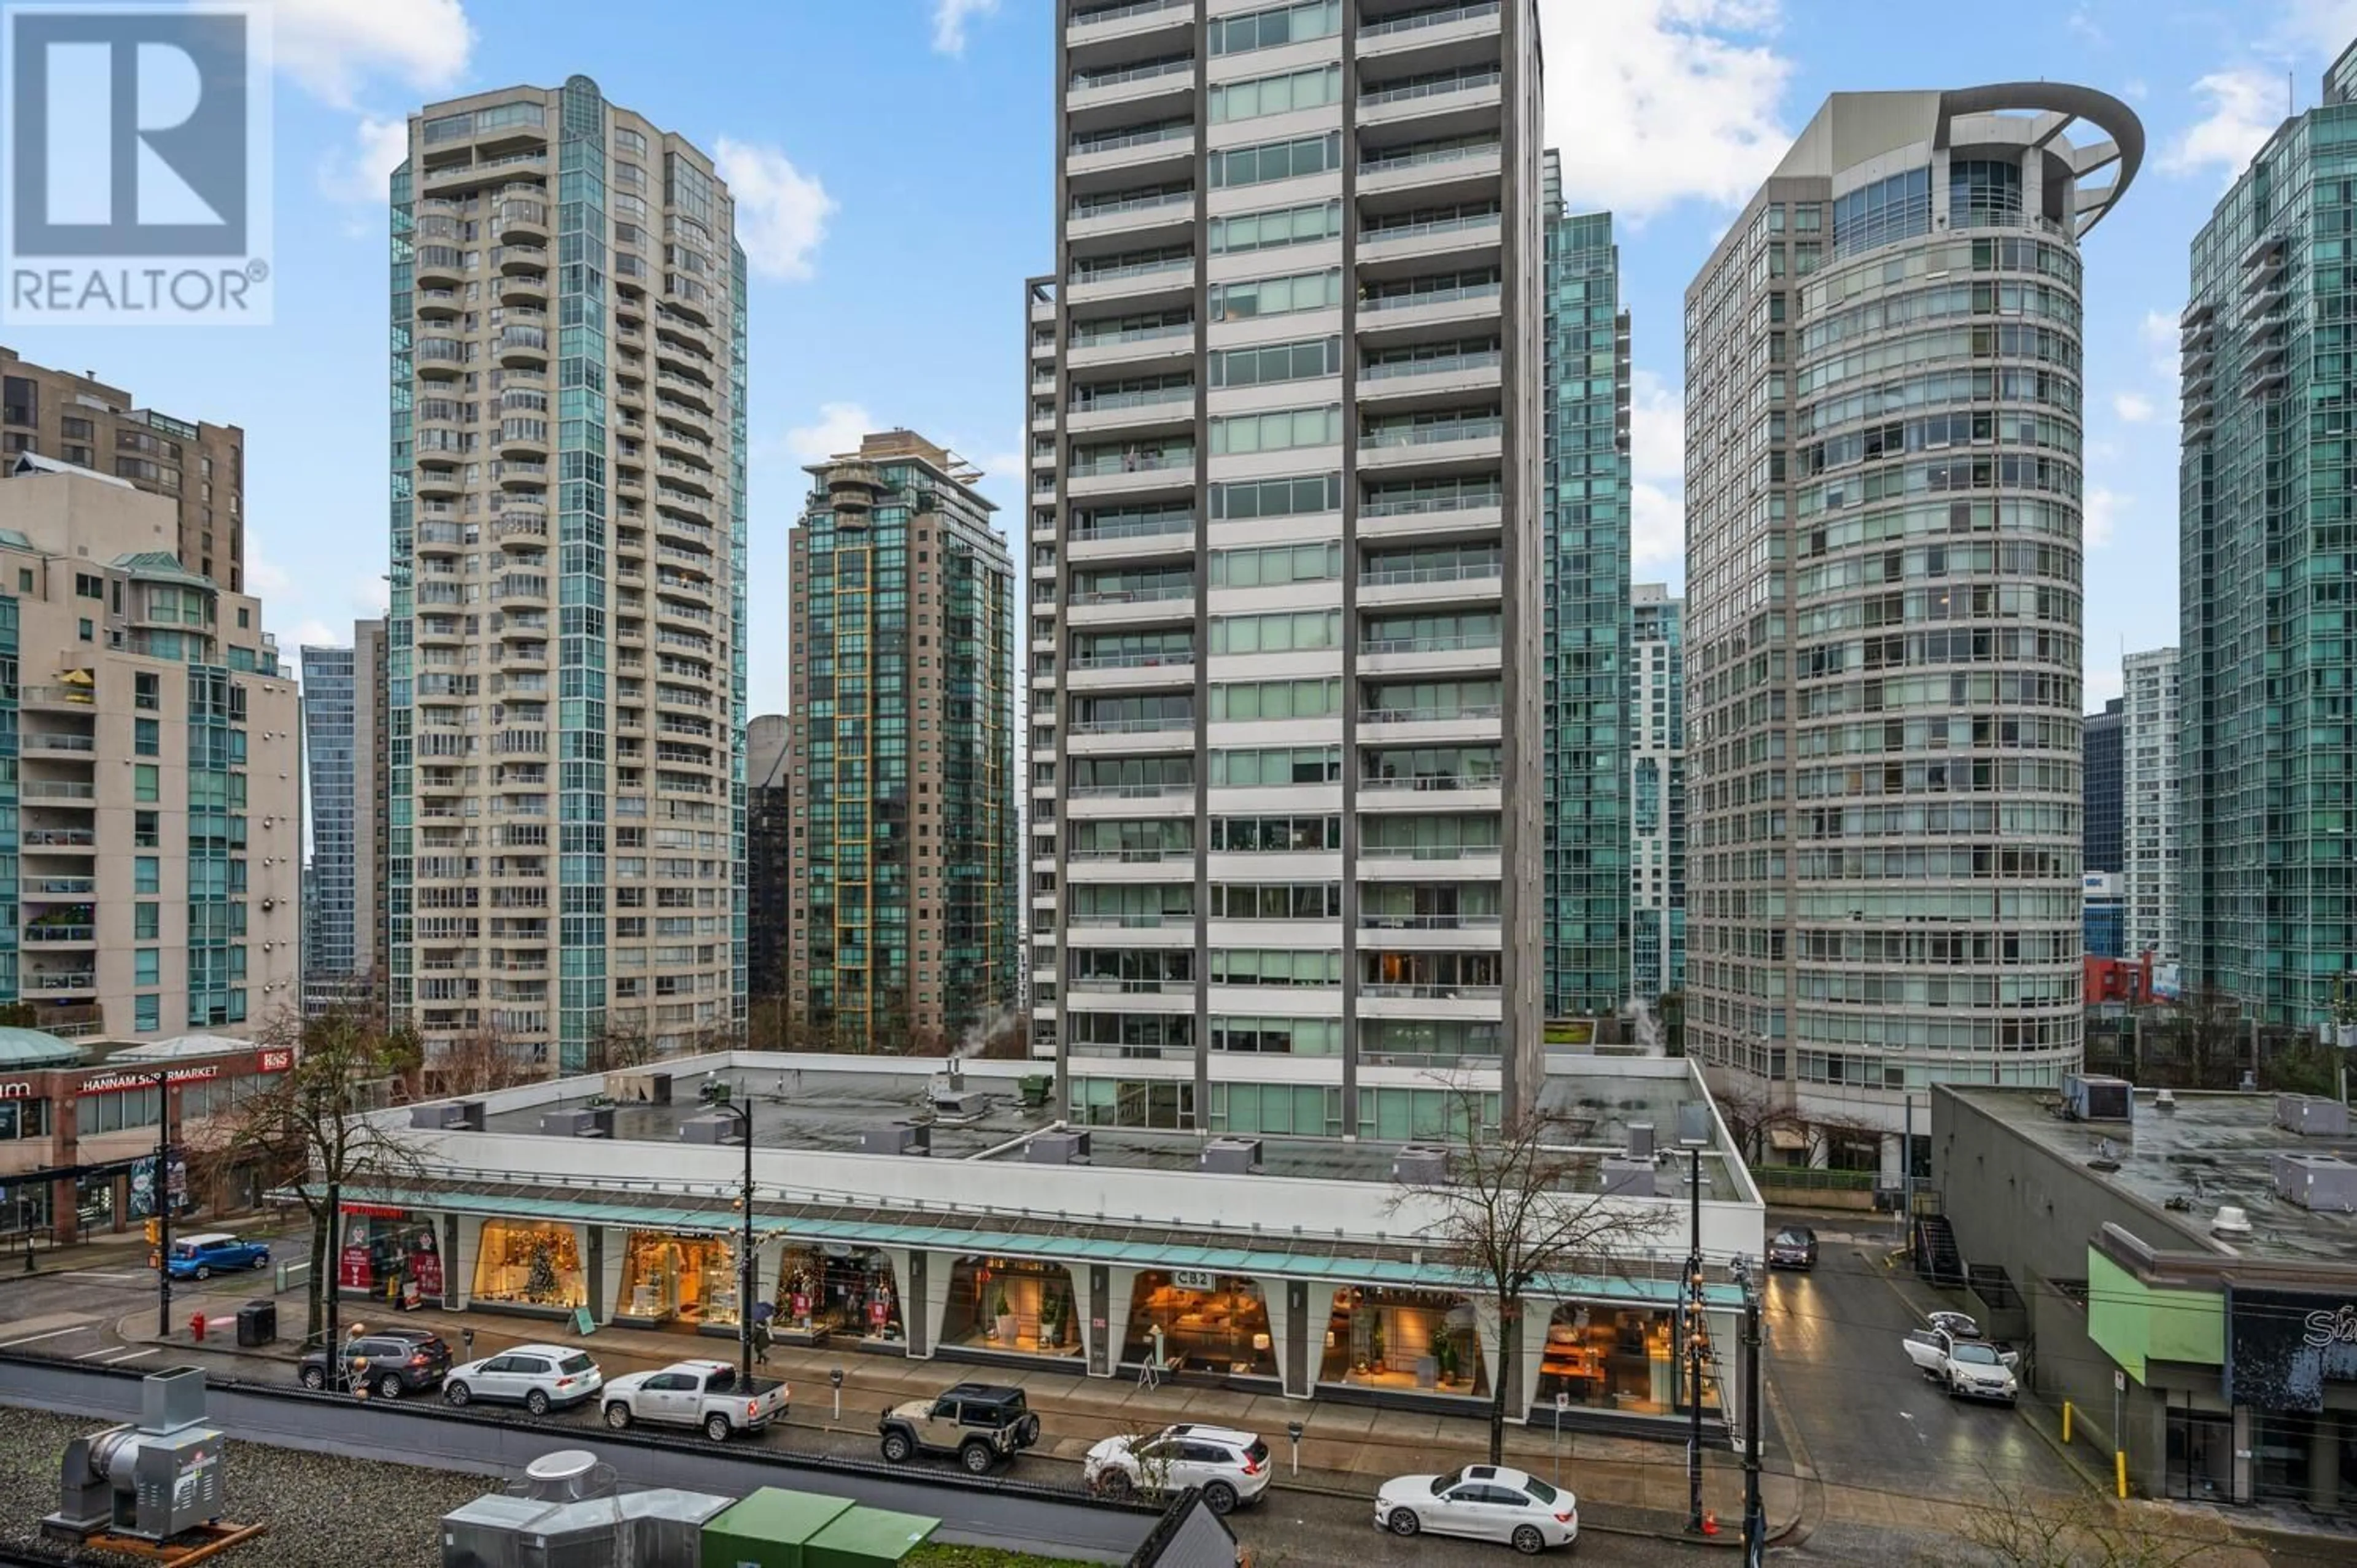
(1962, 1325)
(982, 1424)
(540, 1377)
(709, 1394)
(1793, 1247)
(1226, 1465)
(390, 1362)
(1486, 1502)
(1972, 1368)
(216, 1253)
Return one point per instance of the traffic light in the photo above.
(155, 1232)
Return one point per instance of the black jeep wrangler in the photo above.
(980, 1423)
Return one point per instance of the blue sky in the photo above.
(892, 163)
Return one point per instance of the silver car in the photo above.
(540, 1377)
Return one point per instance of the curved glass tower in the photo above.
(1883, 659)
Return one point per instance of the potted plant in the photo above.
(1051, 1324)
(1003, 1316)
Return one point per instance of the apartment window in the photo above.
(146, 1013)
(1311, 89)
(146, 922)
(20, 401)
(1276, 160)
(1276, 26)
(24, 579)
(88, 632)
(146, 873)
(1276, 296)
(1276, 363)
(147, 966)
(1277, 430)
(146, 738)
(1276, 227)
(146, 829)
(145, 782)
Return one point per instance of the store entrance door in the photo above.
(2201, 1455)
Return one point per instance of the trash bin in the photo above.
(257, 1323)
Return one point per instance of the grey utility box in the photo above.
(1629, 1178)
(897, 1138)
(2311, 1117)
(1068, 1147)
(153, 1480)
(1420, 1164)
(712, 1129)
(579, 1122)
(1231, 1156)
(2324, 1184)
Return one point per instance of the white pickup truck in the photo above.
(1968, 1368)
(708, 1394)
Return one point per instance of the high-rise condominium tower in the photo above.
(1657, 794)
(566, 682)
(342, 750)
(1284, 535)
(2152, 797)
(1883, 527)
(903, 898)
(2265, 499)
(2099, 790)
(199, 467)
(1584, 654)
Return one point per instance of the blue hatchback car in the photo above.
(203, 1256)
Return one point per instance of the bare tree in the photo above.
(1509, 1211)
(479, 1061)
(311, 1119)
(1752, 1115)
(2079, 1530)
(618, 1047)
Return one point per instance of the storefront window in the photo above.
(385, 1251)
(838, 1290)
(1012, 1304)
(94, 1201)
(687, 1280)
(24, 1206)
(525, 1265)
(1201, 1323)
(1612, 1357)
(1411, 1339)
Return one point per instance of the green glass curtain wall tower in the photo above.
(1587, 407)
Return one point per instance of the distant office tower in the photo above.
(156, 786)
(769, 854)
(1285, 542)
(566, 638)
(2101, 782)
(333, 956)
(372, 747)
(2269, 882)
(1585, 653)
(1883, 616)
(902, 735)
(199, 467)
(2153, 795)
(1657, 794)
(2105, 906)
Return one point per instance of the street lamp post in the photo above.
(1755, 1514)
(162, 1193)
(716, 1095)
(1694, 1336)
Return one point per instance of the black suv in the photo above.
(391, 1361)
(980, 1423)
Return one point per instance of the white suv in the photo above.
(1227, 1466)
(540, 1377)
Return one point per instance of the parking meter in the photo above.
(467, 1335)
(835, 1375)
(1293, 1431)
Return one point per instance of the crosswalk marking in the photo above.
(52, 1334)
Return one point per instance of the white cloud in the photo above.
(2133, 407)
(1657, 467)
(358, 174)
(371, 596)
(265, 579)
(2246, 106)
(2083, 24)
(2103, 681)
(781, 212)
(329, 46)
(950, 17)
(2320, 26)
(2159, 331)
(317, 633)
(2103, 509)
(1663, 101)
(836, 430)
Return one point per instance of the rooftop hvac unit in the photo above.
(642, 1087)
(1630, 1177)
(1693, 1122)
(1067, 1147)
(712, 1129)
(579, 1122)
(1420, 1164)
(899, 1138)
(449, 1116)
(2310, 1117)
(153, 1479)
(564, 1515)
(1641, 1140)
(2086, 1098)
(2324, 1184)
(1231, 1156)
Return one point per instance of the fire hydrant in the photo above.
(196, 1327)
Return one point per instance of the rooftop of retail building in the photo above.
(853, 1105)
(2210, 1150)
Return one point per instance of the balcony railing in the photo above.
(1456, 225)
(1091, 18)
(1136, 528)
(1429, 296)
(1424, 505)
(1131, 462)
(1126, 335)
(1107, 207)
(1451, 572)
(1177, 130)
(1465, 83)
(1439, 715)
(1083, 81)
(1154, 594)
(1450, 642)
(1430, 19)
(1433, 365)
(1433, 434)
(1104, 402)
(1134, 270)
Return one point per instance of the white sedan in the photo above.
(540, 1377)
(1485, 1502)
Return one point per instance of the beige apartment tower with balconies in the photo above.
(157, 786)
(1284, 525)
(565, 650)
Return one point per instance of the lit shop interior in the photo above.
(1616, 1357)
(836, 1290)
(1427, 1341)
(1200, 1323)
(672, 1281)
(1012, 1304)
(522, 1266)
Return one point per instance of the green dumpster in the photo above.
(770, 1528)
(865, 1537)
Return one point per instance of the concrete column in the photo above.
(453, 1288)
(2244, 1440)
(1537, 1315)
(2324, 1462)
(612, 1246)
(770, 1257)
(1085, 1279)
(1502, 1354)
(933, 1305)
(1108, 1317)
(1299, 1316)
(589, 1246)
(464, 1251)
(908, 1290)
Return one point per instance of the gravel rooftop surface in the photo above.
(323, 1511)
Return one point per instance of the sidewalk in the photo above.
(1624, 1485)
